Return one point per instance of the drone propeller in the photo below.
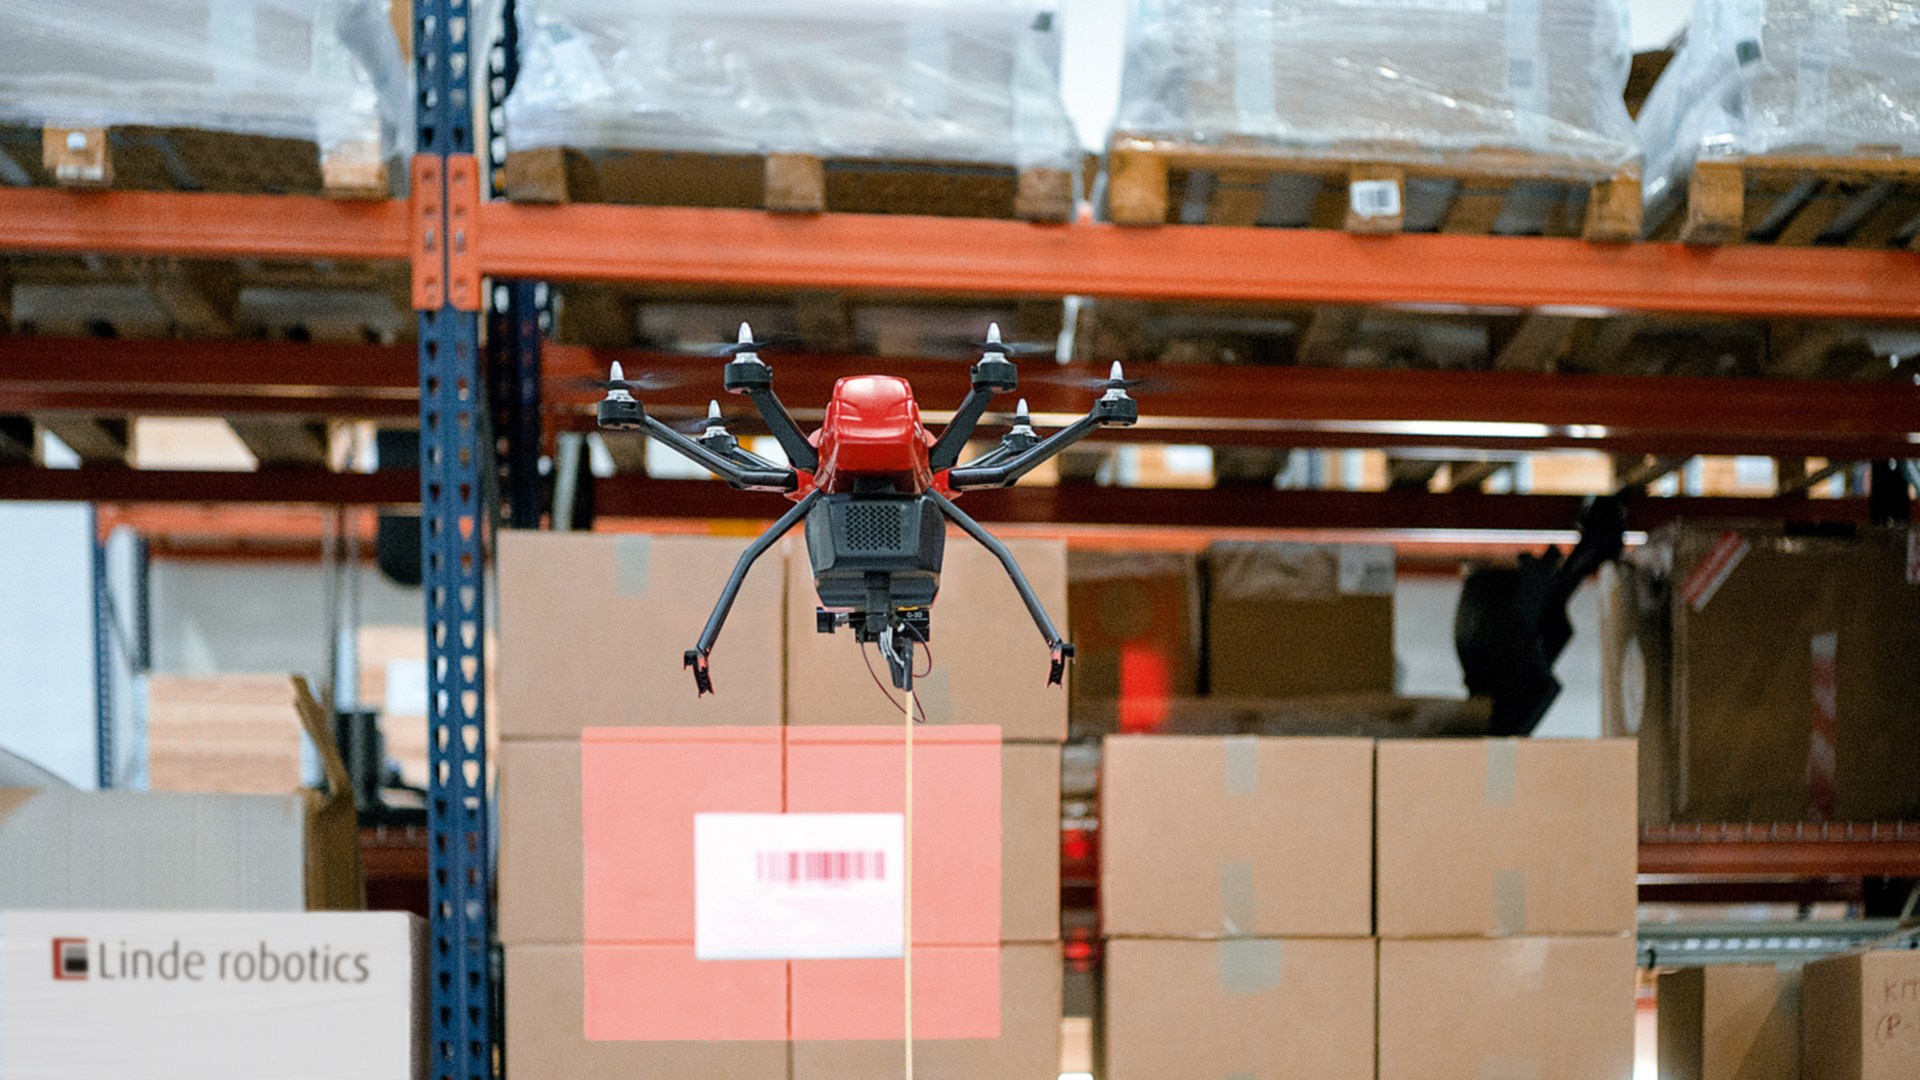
(1115, 380)
(617, 380)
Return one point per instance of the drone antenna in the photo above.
(1022, 420)
(743, 347)
(616, 383)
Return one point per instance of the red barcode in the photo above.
(820, 867)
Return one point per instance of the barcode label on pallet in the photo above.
(797, 886)
(1374, 198)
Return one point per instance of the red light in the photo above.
(1075, 845)
(1146, 684)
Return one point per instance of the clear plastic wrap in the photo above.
(1390, 80)
(950, 80)
(329, 71)
(1766, 76)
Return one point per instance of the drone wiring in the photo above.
(920, 712)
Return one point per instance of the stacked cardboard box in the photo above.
(1730, 1022)
(591, 632)
(1505, 904)
(1767, 674)
(1860, 1017)
(1430, 909)
(609, 757)
(1236, 892)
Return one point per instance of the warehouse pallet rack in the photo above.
(455, 241)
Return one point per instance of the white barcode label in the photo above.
(1374, 198)
(797, 886)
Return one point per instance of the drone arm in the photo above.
(1059, 648)
(953, 438)
(991, 473)
(696, 657)
(737, 473)
(780, 422)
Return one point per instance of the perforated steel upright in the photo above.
(454, 460)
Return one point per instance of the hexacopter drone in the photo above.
(875, 488)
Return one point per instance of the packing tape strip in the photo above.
(1503, 765)
(1243, 764)
(1236, 898)
(1509, 1068)
(632, 565)
(1509, 902)
(1250, 965)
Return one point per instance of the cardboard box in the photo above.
(1252, 1008)
(1028, 1047)
(593, 629)
(546, 1032)
(989, 665)
(1541, 1008)
(1237, 836)
(172, 851)
(1860, 1017)
(1505, 837)
(542, 865)
(1777, 674)
(1289, 620)
(1136, 635)
(180, 995)
(234, 734)
(1730, 1022)
(1363, 716)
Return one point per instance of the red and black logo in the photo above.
(70, 958)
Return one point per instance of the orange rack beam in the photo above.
(209, 226)
(1789, 850)
(752, 248)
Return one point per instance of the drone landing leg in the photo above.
(696, 657)
(1060, 649)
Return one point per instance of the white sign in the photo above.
(797, 886)
(185, 996)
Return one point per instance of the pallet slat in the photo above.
(1869, 199)
(1362, 194)
(789, 183)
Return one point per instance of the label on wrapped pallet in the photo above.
(187, 995)
(1374, 198)
(798, 886)
(1458, 6)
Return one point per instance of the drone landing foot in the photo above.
(702, 679)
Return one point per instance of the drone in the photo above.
(875, 488)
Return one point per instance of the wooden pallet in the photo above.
(790, 183)
(137, 158)
(1388, 338)
(1870, 199)
(1492, 191)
